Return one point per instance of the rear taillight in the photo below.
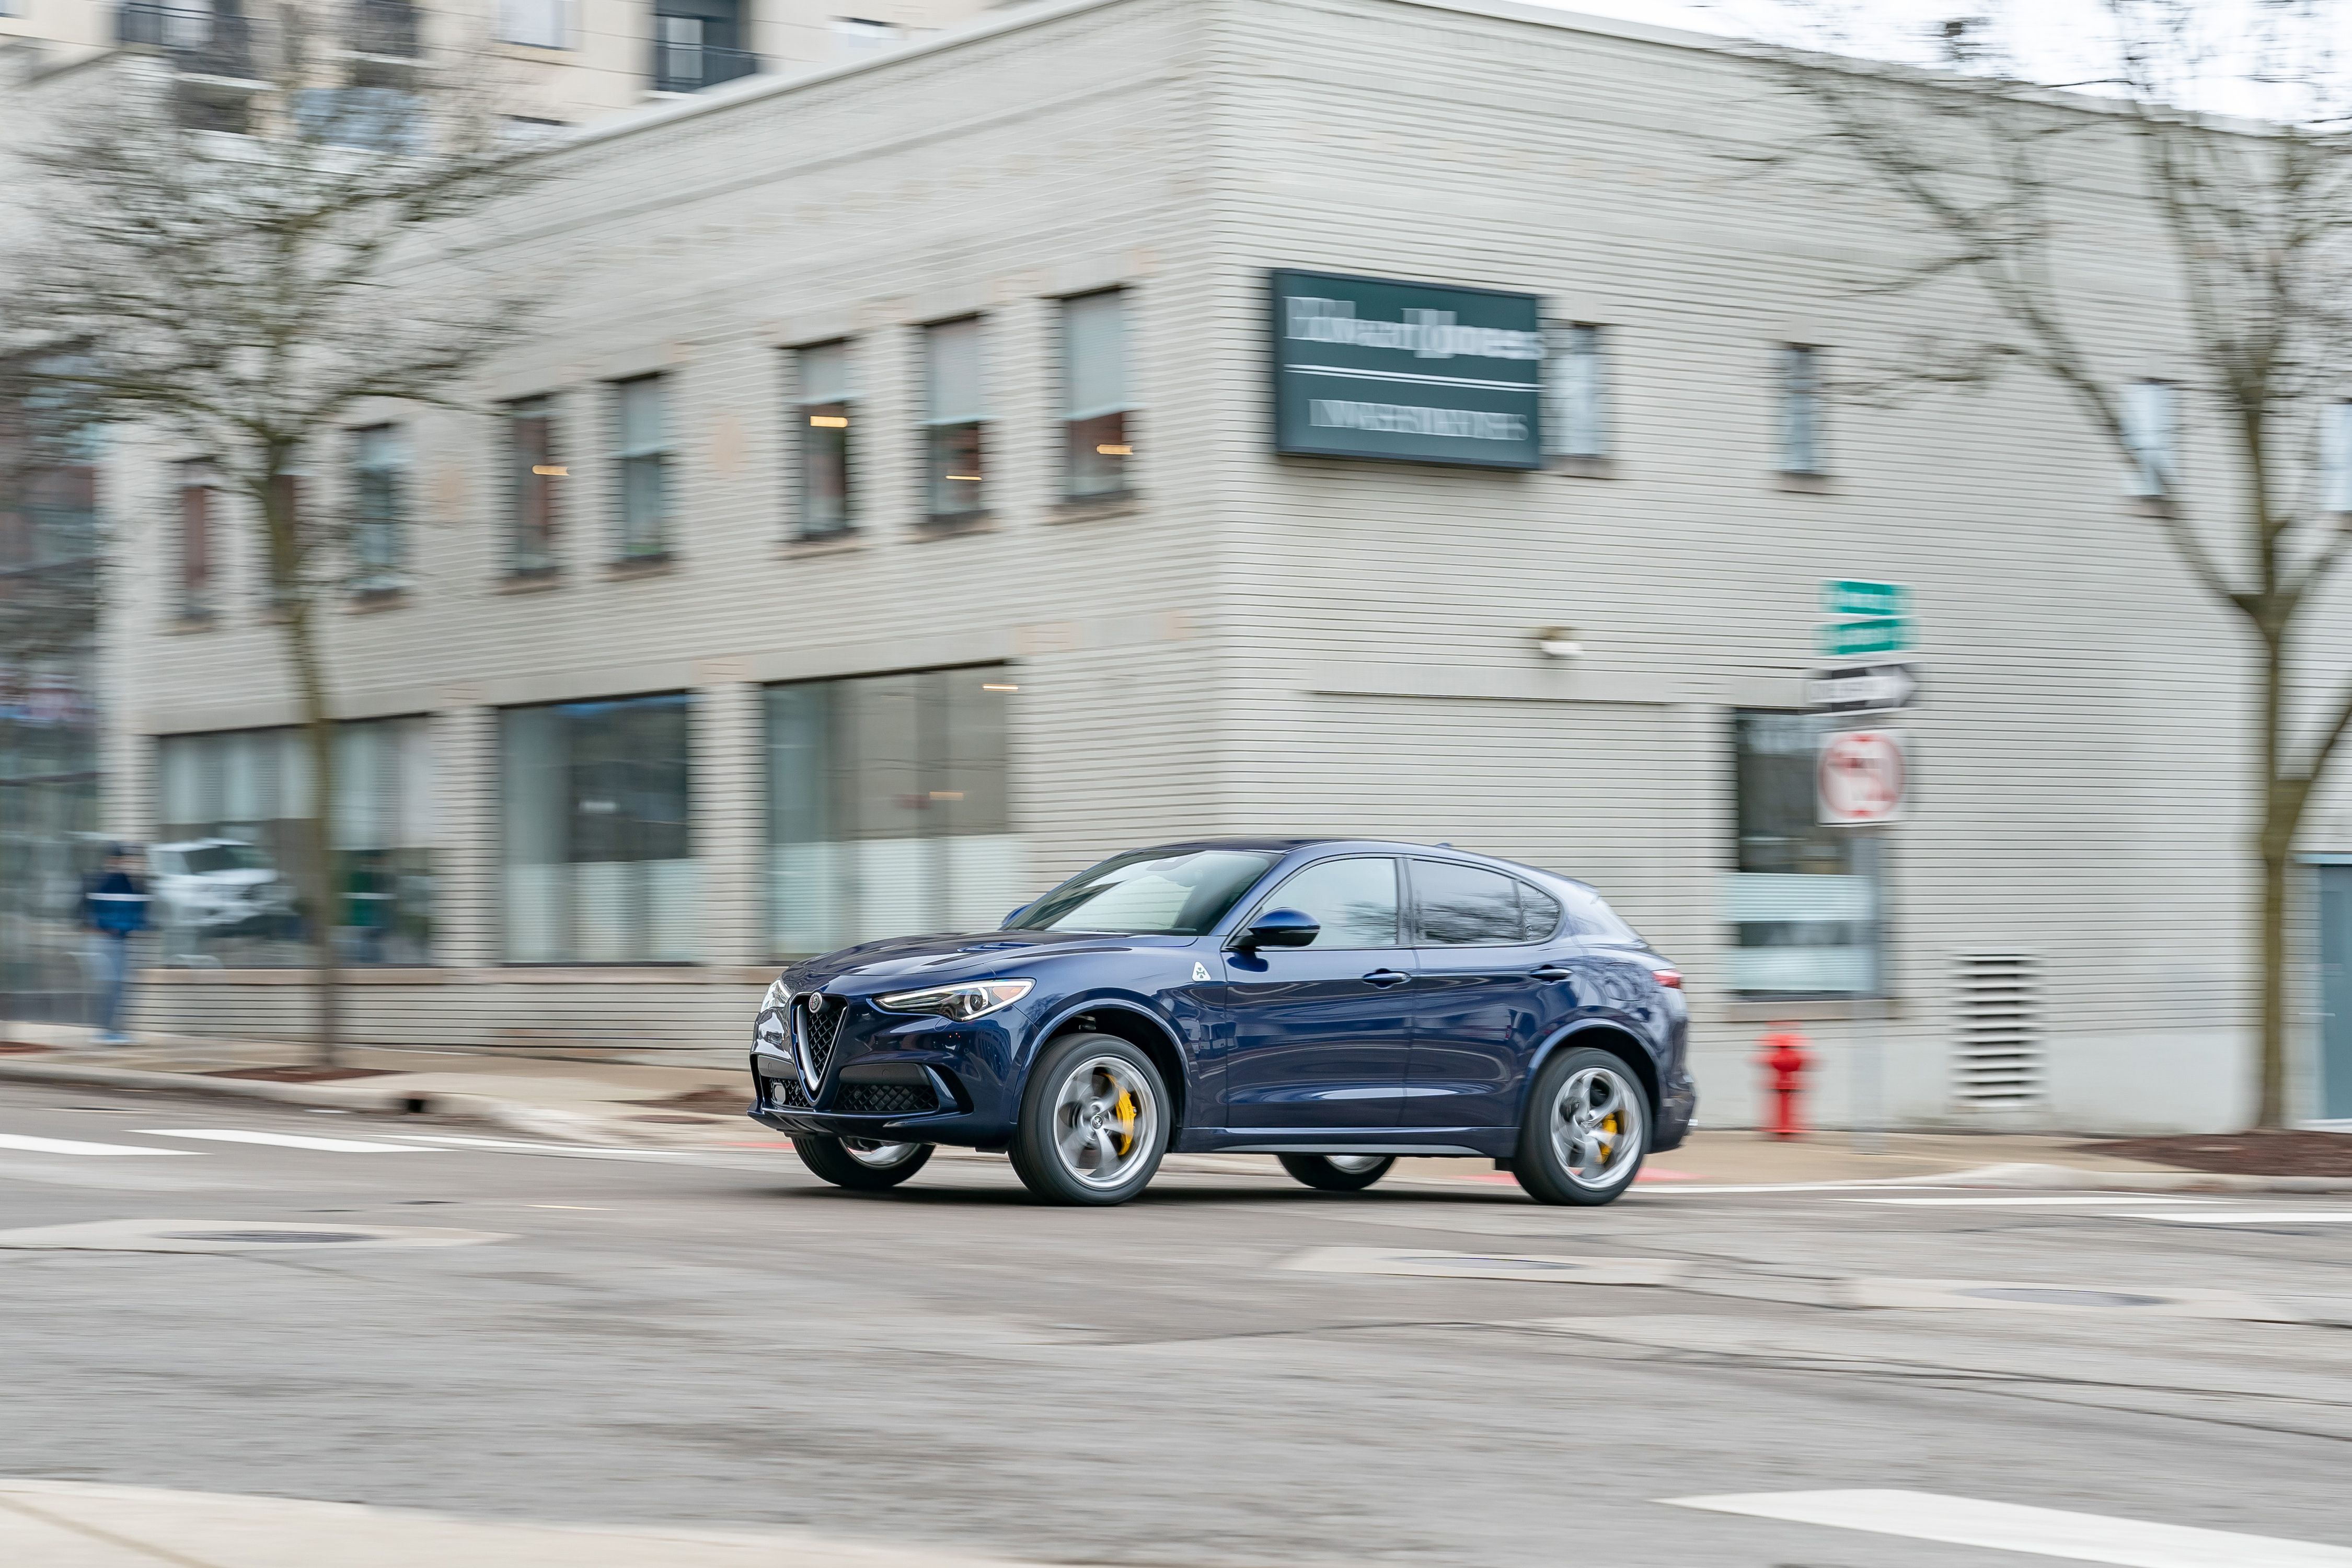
(1672, 979)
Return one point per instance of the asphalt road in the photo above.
(1206, 1376)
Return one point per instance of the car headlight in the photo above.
(779, 994)
(973, 1000)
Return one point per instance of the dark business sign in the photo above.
(1416, 373)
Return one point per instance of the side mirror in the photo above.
(1013, 916)
(1279, 927)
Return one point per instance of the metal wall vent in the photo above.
(1999, 1061)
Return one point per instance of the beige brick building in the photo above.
(844, 555)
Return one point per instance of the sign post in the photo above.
(1863, 778)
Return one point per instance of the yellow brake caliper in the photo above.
(1125, 1112)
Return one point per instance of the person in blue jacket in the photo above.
(113, 907)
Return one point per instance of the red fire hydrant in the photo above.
(1784, 1054)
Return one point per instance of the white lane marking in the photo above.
(73, 1146)
(2010, 1526)
(282, 1140)
(2251, 1216)
(1676, 1189)
(2076, 1201)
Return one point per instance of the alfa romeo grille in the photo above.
(886, 1099)
(817, 1033)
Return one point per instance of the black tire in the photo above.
(1608, 1152)
(838, 1162)
(1121, 1118)
(1317, 1172)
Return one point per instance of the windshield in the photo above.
(1149, 893)
(224, 858)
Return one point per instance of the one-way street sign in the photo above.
(1863, 688)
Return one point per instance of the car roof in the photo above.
(1377, 846)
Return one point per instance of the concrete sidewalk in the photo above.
(637, 1102)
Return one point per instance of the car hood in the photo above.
(895, 963)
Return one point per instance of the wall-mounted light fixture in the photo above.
(1559, 642)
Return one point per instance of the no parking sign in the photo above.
(1861, 777)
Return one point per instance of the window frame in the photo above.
(2154, 464)
(527, 488)
(1557, 426)
(1072, 416)
(938, 431)
(1798, 415)
(197, 484)
(379, 540)
(805, 416)
(558, 11)
(656, 456)
(1403, 903)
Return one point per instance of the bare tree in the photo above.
(2253, 219)
(240, 281)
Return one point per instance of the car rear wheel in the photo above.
(1338, 1173)
(1094, 1122)
(1587, 1129)
(861, 1164)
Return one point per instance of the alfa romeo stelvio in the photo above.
(1334, 1002)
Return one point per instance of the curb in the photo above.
(539, 1120)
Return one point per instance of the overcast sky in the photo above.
(2065, 41)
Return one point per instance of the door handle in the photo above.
(1551, 971)
(1386, 977)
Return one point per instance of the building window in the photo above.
(230, 870)
(888, 808)
(952, 414)
(532, 472)
(1801, 411)
(1096, 440)
(2150, 414)
(380, 509)
(599, 865)
(195, 541)
(1803, 901)
(699, 44)
(2335, 458)
(1576, 412)
(644, 464)
(538, 24)
(827, 499)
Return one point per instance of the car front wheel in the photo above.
(861, 1164)
(1094, 1122)
(1338, 1173)
(1587, 1129)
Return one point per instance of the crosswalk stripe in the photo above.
(280, 1139)
(2250, 1217)
(2077, 1200)
(72, 1146)
(2011, 1527)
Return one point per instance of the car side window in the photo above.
(1464, 906)
(1539, 913)
(1354, 900)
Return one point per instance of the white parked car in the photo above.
(212, 883)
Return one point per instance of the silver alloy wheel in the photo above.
(1354, 1164)
(1596, 1126)
(1105, 1120)
(878, 1156)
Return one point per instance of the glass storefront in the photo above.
(1803, 901)
(599, 862)
(226, 870)
(888, 808)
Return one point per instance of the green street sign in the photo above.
(1867, 618)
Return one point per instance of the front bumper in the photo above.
(901, 1077)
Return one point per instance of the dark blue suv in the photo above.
(1337, 1003)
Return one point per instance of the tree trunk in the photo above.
(320, 892)
(2278, 878)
